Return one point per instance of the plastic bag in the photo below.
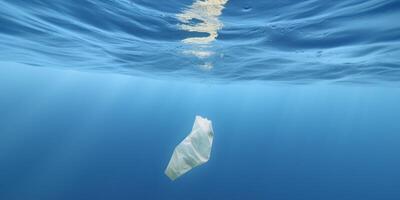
(193, 151)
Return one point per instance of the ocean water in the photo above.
(287, 40)
(303, 95)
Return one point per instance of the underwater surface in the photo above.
(294, 41)
(304, 98)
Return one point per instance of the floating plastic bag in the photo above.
(193, 151)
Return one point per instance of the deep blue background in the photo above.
(73, 135)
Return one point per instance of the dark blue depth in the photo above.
(69, 135)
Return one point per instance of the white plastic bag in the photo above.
(193, 151)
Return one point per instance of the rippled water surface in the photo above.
(287, 40)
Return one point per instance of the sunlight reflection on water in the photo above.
(206, 14)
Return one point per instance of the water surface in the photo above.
(290, 40)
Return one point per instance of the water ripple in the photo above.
(292, 41)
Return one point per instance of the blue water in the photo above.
(303, 95)
(288, 40)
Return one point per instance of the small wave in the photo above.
(292, 41)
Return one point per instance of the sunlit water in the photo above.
(292, 41)
(303, 95)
